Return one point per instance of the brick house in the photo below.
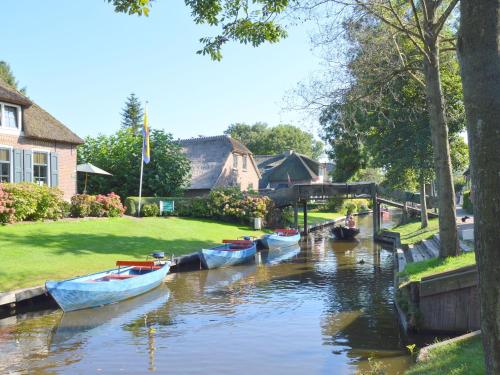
(34, 146)
(219, 161)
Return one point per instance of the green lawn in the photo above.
(318, 217)
(412, 233)
(34, 252)
(460, 358)
(417, 270)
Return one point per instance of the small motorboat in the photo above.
(231, 252)
(344, 233)
(281, 238)
(130, 279)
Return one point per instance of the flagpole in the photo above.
(142, 164)
(140, 186)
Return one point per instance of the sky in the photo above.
(80, 60)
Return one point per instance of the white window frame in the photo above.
(235, 162)
(33, 165)
(244, 162)
(11, 155)
(5, 129)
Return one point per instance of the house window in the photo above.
(10, 116)
(4, 165)
(235, 161)
(41, 168)
(245, 160)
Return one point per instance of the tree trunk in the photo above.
(441, 147)
(479, 54)
(423, 204)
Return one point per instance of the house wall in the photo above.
(66, 158)
(246, 179)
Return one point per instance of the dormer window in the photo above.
(10, 117)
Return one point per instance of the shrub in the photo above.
(111, 205)
(150, 210)
(96, 209)
(36, 202)
(467, 205)
(7, 210)
(81, 205)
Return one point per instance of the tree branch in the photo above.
(442, 20)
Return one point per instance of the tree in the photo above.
(7, 75)
(132, 114)
(120, 154)
(479, 55)
(264, 140)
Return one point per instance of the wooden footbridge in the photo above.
(300, 194)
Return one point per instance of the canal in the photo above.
(323, 308)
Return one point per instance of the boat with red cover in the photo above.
(281, 238)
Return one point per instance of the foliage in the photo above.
(7, 209)
(35, 202)
(346, 206)
(150, 210)
(64, 249)
(132, 114)
(467, 205)
(459, 183)
(83, 205)
(264, 140)
(7, 75)
(120, 154)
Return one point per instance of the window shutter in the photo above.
(18, 165)
(28, 166)
(54, 170)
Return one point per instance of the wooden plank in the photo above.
(449, 282)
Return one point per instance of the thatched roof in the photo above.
(278, 168)
(208, 156)
(37, 123)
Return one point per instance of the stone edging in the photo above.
(424, 353)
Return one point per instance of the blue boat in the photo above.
(281, 238)
(130, 279)
(231, 252)
(279, 255)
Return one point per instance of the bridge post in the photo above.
(376, 209)
(306, 229)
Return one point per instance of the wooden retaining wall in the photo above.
(450, 301)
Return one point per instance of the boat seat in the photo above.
(238, 242)
(136, 263)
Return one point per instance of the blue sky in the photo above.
(80, 60)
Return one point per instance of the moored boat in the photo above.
(231, 252)
(281, 238)
(343, 233)
(130, 279)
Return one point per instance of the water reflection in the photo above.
(323, 308)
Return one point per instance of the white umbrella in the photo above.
(90, 168)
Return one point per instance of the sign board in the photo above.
(167, 207)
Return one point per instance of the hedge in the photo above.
(467, 205)
(182, 205)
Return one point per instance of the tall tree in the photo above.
(479, 53)
(132, 113)
(7, 75)
(264, 140)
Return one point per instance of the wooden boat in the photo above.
(130, 279)
(343, 233)
(281, 238)
(231, 252)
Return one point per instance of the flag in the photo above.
(289, 180)
(145, 139)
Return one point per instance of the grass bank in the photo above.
(459, 358)
(418, 270)
(34, 252)
(412, 232)
(315, 217)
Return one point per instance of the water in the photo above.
(324, 310)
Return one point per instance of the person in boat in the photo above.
(349, 221)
